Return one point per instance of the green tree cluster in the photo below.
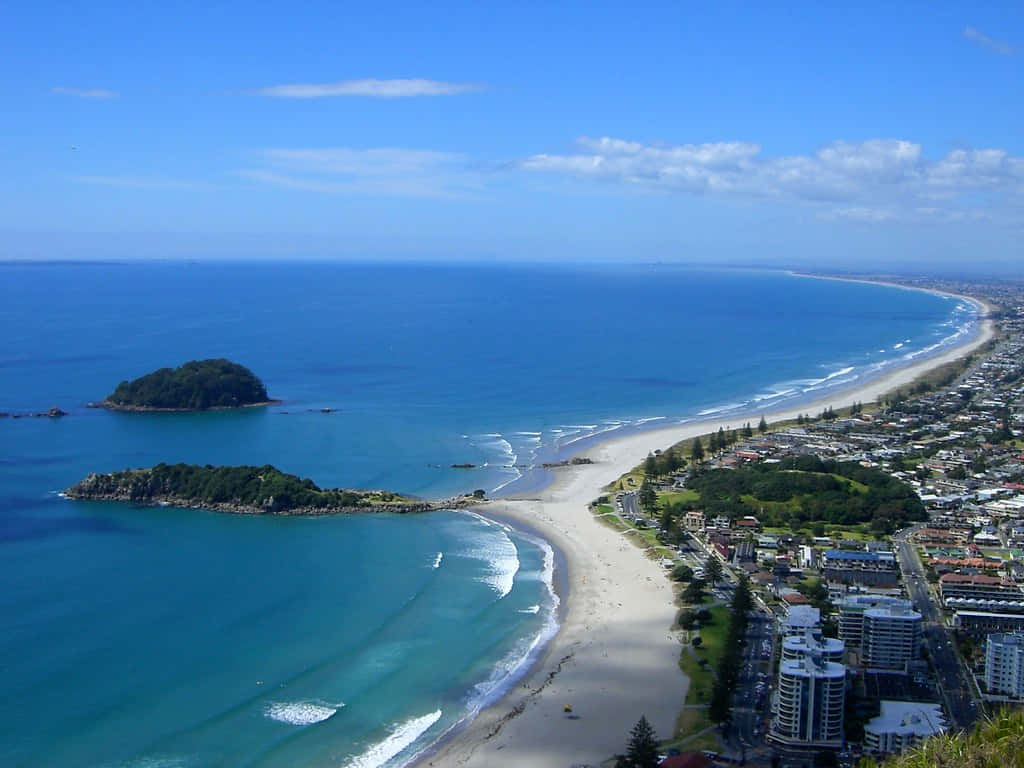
(728, 668)
(664, 463)
(264, 487)
(196, 385)
(802, 489)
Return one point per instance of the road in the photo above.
(750, 705)
(953, 681)
(630, 507)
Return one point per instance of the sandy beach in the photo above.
(616, 655)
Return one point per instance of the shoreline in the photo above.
(106, 405)
(615, 655)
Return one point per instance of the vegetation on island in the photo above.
(241, 489)
(194, 386)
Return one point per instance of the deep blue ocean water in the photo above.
(164, 637)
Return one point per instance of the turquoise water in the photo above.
(165, 637)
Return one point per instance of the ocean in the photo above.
(159, 637)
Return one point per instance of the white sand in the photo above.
(616, 655)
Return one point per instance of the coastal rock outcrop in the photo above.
(244, 490)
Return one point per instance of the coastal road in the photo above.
(953, 681)
(630, 506)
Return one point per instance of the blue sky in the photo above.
(789, 133)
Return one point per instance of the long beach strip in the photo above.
(616, 655)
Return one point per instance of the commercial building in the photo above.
(1004, 664)
(809, 709)
(979, 623)
(891, 637)
(857, 567)
(902, 724)
(978, 587)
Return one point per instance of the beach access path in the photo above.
(616, 654)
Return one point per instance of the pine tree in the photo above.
(642, 751)
(762, 426)
(650, 465)
(647, 497)
(747, 431)
(697, 453)
(713, 570)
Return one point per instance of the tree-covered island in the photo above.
(243, 490)
(197, 385)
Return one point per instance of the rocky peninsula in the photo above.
(244, 490)
(197, 385)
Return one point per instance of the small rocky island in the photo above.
(243, 490)
(198, 385)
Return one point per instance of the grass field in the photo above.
(694, 717)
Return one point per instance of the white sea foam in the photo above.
(519, 659)
(437, 560)
(154, 761)
(301, 712)
(530, 609)
(720, 409)
(400, 738)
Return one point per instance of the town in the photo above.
(882, 548)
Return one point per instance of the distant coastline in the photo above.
(634, 606)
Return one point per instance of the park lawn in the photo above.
(693, 719)
(630, 481)
(713, 634)
(858, 532)
(1002, 554)
(678, 497)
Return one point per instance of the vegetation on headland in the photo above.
(997, 742)
(194, 386)
(243, 489)
(804, 489)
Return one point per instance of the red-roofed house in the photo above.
(686, 760)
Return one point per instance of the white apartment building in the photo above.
(891, 637)
(1004, 664)
(812, 644)
(809, 710)
(851, 614)
(902, 724)
(800, 619)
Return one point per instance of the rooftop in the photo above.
(908, 718)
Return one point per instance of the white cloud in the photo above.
(378, 89)
(133, 182)
(996, 46)
(380, 171)
(875, 180)
(97, 94)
